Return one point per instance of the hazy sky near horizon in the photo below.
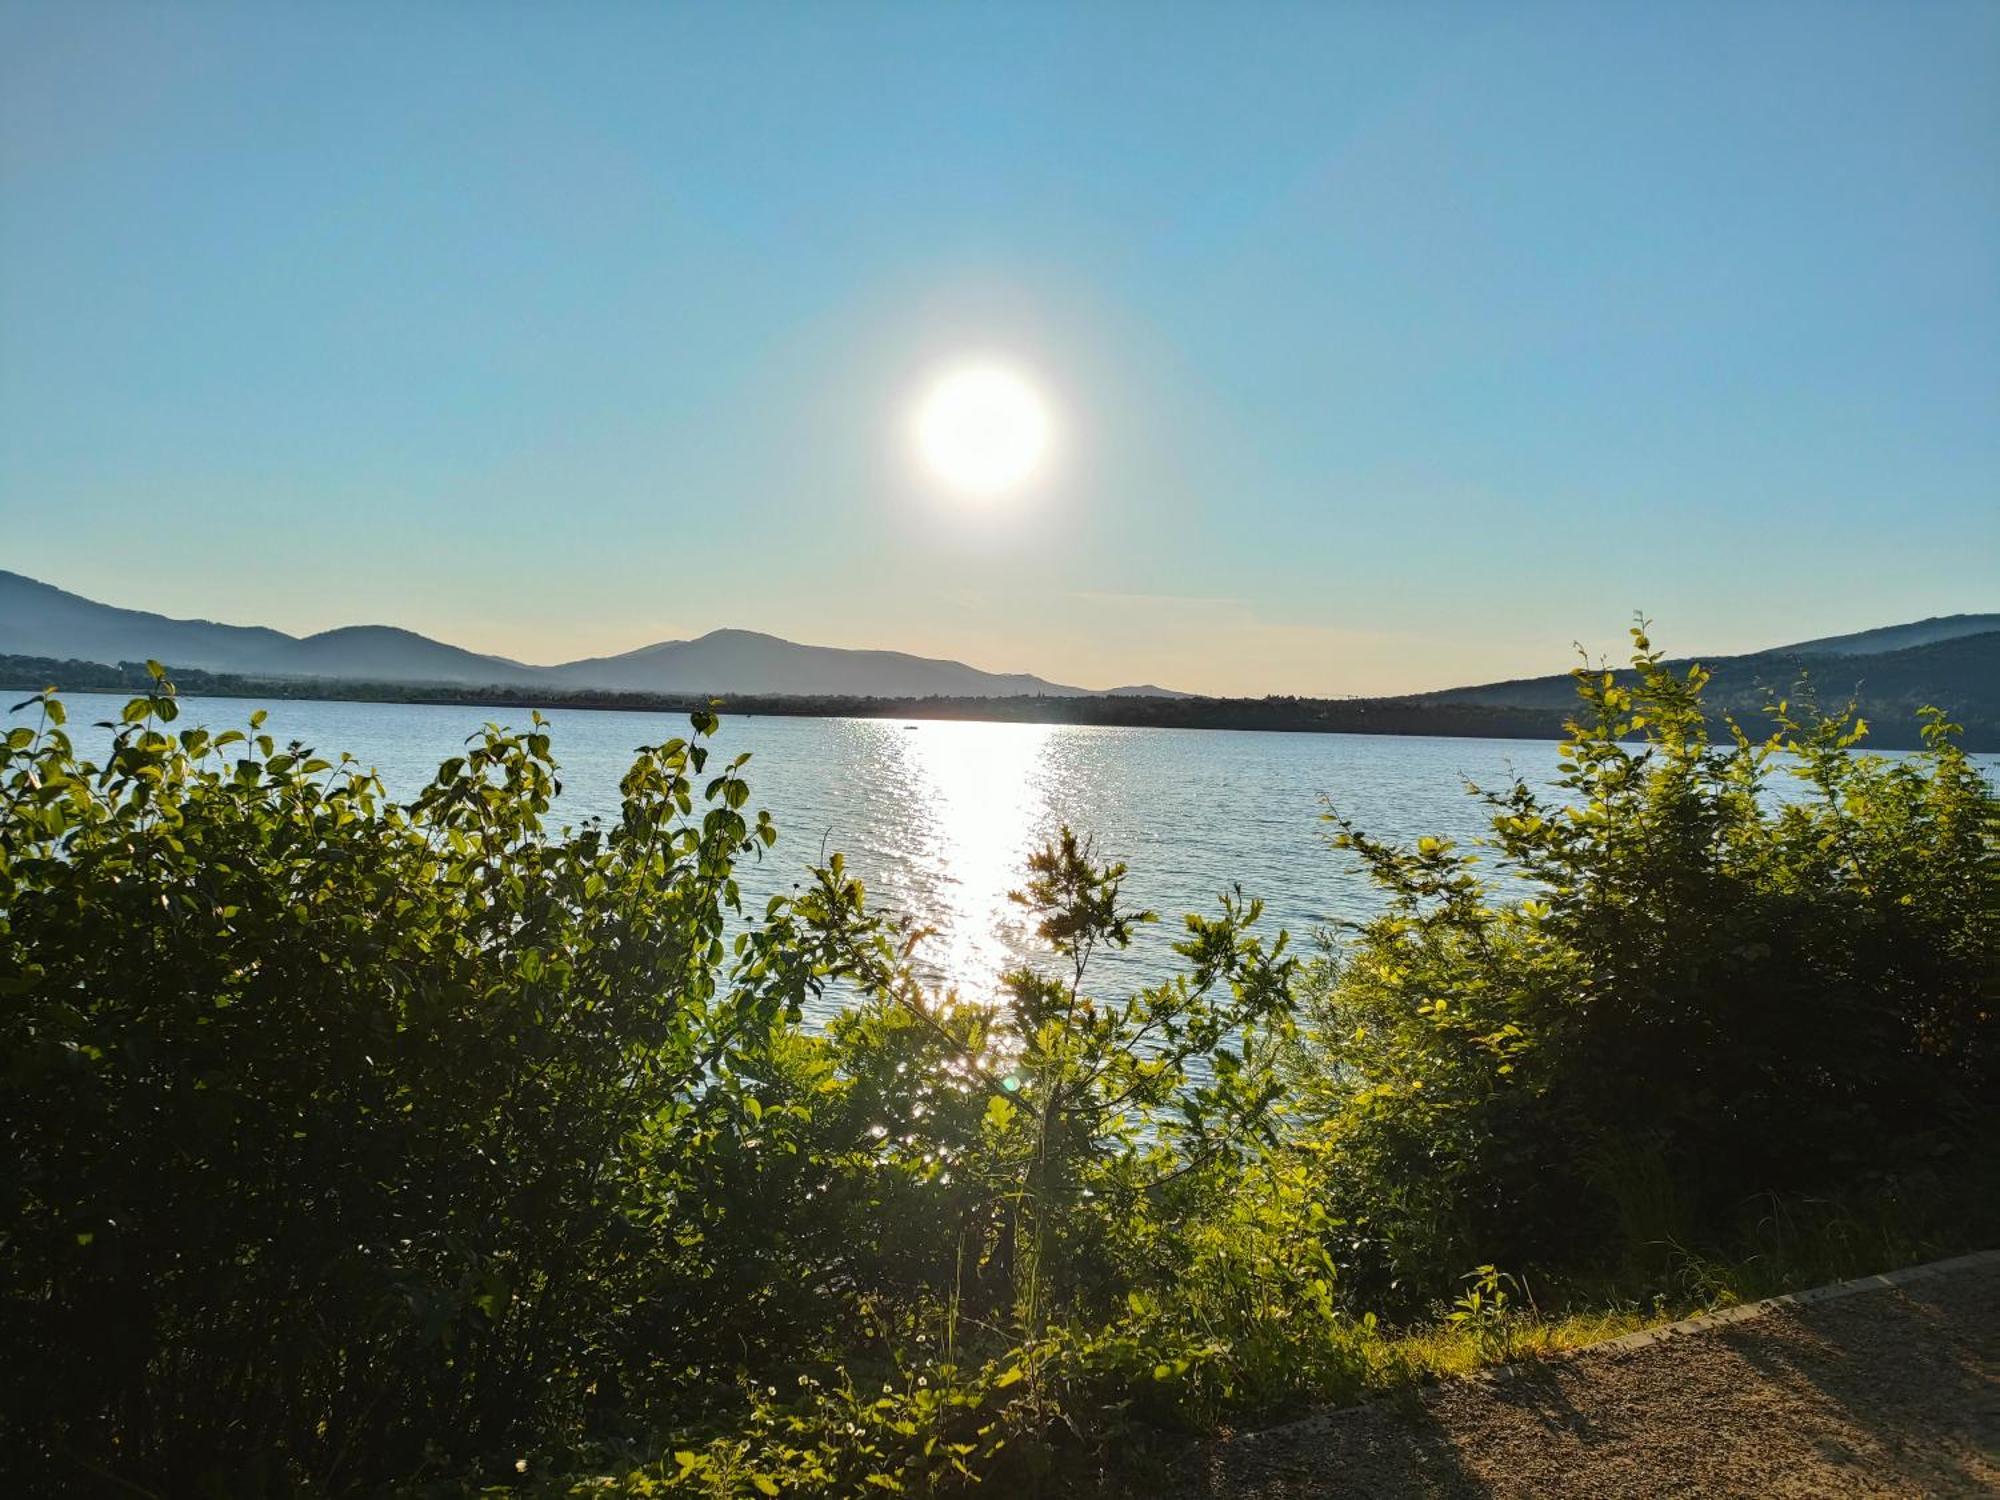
(1389, 346)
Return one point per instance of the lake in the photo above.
(937, 817)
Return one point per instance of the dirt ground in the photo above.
(1890, 1392)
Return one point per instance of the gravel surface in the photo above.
(1890, 1392)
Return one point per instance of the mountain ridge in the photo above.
(1952, 660)
(1882, 638)
(1957, 671)
(40, 619)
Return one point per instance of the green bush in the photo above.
(352, 1142)
(353, 1145)
(324, 1116)
(1681, 995)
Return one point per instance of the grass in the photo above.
(1444, 1350)
(1792, 1246)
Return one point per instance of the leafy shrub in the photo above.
(360, 1142)
(351, 1144)
(324, 1116)
(1684, 995)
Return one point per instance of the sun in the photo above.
(983, 429)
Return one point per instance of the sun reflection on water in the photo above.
(981, 795)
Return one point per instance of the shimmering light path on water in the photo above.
(937, 817)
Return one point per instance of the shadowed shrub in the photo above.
(1680, 994)
(348, 1144)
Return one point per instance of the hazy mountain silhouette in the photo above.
(1893, 637)
(1953, 661)
(387, 653)
(38, 619)
(750, 661)
(1949, 667)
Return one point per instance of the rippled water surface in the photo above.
(938, 817)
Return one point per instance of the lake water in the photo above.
(937, 817)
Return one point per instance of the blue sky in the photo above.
(1390, 346)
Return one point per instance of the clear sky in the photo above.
(1387, 346)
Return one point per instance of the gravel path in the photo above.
(1890, 1392)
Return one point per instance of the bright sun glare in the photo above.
(983, 430)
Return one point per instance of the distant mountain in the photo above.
(40, 620)
(747, 661)
(1893, 637)
(389, 654)
(1953, 662)
(1950, 668)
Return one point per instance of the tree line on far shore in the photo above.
(1892, 713)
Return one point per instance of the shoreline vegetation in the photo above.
(1894, 724)
(417, 1147)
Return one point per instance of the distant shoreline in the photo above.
(1379, 716)
(1303, 715)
